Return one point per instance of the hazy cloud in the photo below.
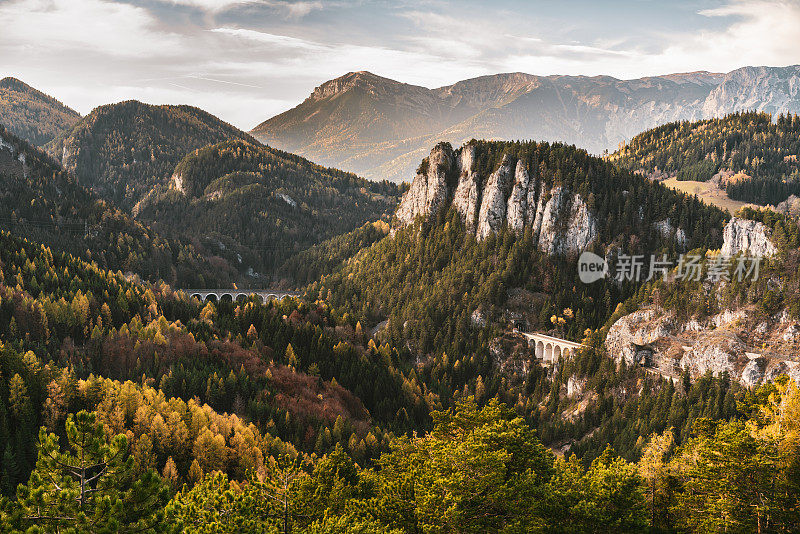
(287, 8)
(73, 26)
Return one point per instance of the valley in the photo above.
(226, 331)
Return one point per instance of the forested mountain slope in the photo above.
(451, 296)
(214, 409)
(755, 157)
(281, 366)
(263, 204)
(121, 151)
(497, 218)
(42, 202)
(31, 114)
(743, 324)
(237, 399)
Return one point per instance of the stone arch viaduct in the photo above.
(548, 348)
(236, 294)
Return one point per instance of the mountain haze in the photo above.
(31, 114)
(381, 128)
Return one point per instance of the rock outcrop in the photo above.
(517, 210)
(724, 343)
(633, 334)
(467, 197)
(742, 235)
(666, 230)
(429, 190)
(493, 207)
(567, 226)
(718, 352)
(561, 221)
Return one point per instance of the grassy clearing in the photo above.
(707, 191)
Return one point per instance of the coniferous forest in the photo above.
(756, 153)
(152, 411)
(433, 357)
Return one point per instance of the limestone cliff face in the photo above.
(493, 207)
(737, 342)
(742, 235)
(629, 338)
(516, 211)
(567, 226)
(512, 195)
(429, 190)
(538, 213)
(466, 199)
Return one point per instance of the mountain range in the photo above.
(380, 128)
(406, 362)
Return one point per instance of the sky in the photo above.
(247, 60)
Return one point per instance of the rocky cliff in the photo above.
(742, 235)
(750, 348)
(511, 195)
(429, 190)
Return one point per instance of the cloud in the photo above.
(743, 33)
(766, 32)
(79, 25)
(280, 41)
(316, 61)
(247, 59)
(288, 9)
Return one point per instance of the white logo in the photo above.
(591, 267)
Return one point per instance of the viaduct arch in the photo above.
(236, 294)
(550, 349)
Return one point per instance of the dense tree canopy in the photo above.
(31, 114)
(265, 205)
(757, 155)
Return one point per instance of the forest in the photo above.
(120, 151)
(264, 205)
(31, 114)
(394, 396)
(231, 416)
(42, 202)
(755, 153)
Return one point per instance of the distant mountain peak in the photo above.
(703, 77)
(381, 128)
(362, 79)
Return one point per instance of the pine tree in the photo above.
(91, 487)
